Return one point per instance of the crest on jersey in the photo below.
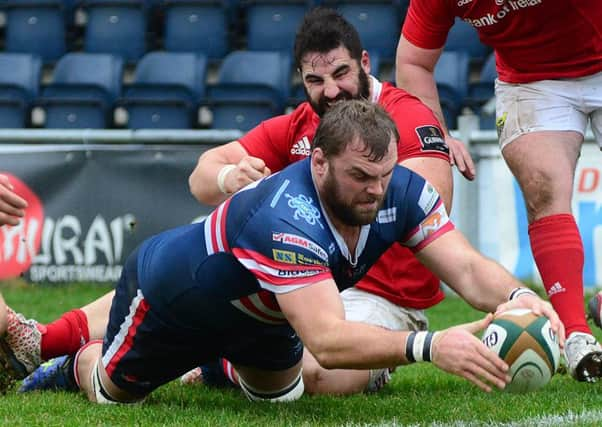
(432, 139)
(304, 209)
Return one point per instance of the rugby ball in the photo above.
(529, 346)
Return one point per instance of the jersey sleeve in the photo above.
(427, 23)
(420, 133)
(269, 141)
(427, 211)
(282, 258)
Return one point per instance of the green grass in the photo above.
(418, 394)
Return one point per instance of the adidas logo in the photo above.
(301, 147)
(556, 289)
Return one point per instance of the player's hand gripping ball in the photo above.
(529, 346)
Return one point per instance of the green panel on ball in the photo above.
(513, 331)
(534, 329)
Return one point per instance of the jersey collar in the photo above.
(377, 88)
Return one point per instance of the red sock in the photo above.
(65, 335)
(558, 252)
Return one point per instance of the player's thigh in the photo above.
(362, 306)
(593, 101)
(543, 106)
(143, 348)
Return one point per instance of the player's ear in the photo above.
(319, 161)
(365, 62)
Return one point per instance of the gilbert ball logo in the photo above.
(20, 243)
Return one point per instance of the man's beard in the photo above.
(347, 213)
(322, 105)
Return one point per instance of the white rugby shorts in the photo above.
(362, 306)
(549, 105)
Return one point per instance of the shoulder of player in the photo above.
(297, 121)
(394, 99)
(403, 178)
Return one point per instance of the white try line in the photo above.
(568, 419)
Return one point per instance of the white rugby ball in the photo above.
(528, 345)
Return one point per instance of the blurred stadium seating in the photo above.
(117, 27)
(481, 92)
(173, 58)
(36, 27)
(166, 91)
(251, 86)
(452, 76)
(19, 86)
(83, 91)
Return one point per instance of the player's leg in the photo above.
(595, 304)
(3, 316)
(541, 132)
(361, 306)
(145, 346)
(268, 366)
(269, 385)
(75, 328)
(26, 342)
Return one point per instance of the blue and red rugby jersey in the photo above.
(273, 237)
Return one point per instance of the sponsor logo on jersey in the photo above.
(304, 209)
(387, 215)
(431, 139)
(464, 2)
(301, 147)
(431, 223)
(302, 242)
(287, 257)
(298, 273)
(428, 197)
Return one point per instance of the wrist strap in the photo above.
(419, 346)
(221, 177)
(516, 292)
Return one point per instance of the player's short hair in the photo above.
(324, 29)
(349, 120)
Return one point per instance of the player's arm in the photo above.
(414, 72)
(436, 171)
(317, 314)
(482, 282)
(11, 205)
(223, 170)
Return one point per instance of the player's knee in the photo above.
(313, 377)
(100, 391)
(291, 392)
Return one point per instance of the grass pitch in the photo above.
(418, 395)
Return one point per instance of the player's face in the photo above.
(354, 187)
(334, 76)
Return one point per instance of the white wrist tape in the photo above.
(516, 292)
(221, 177)
(419, 346)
